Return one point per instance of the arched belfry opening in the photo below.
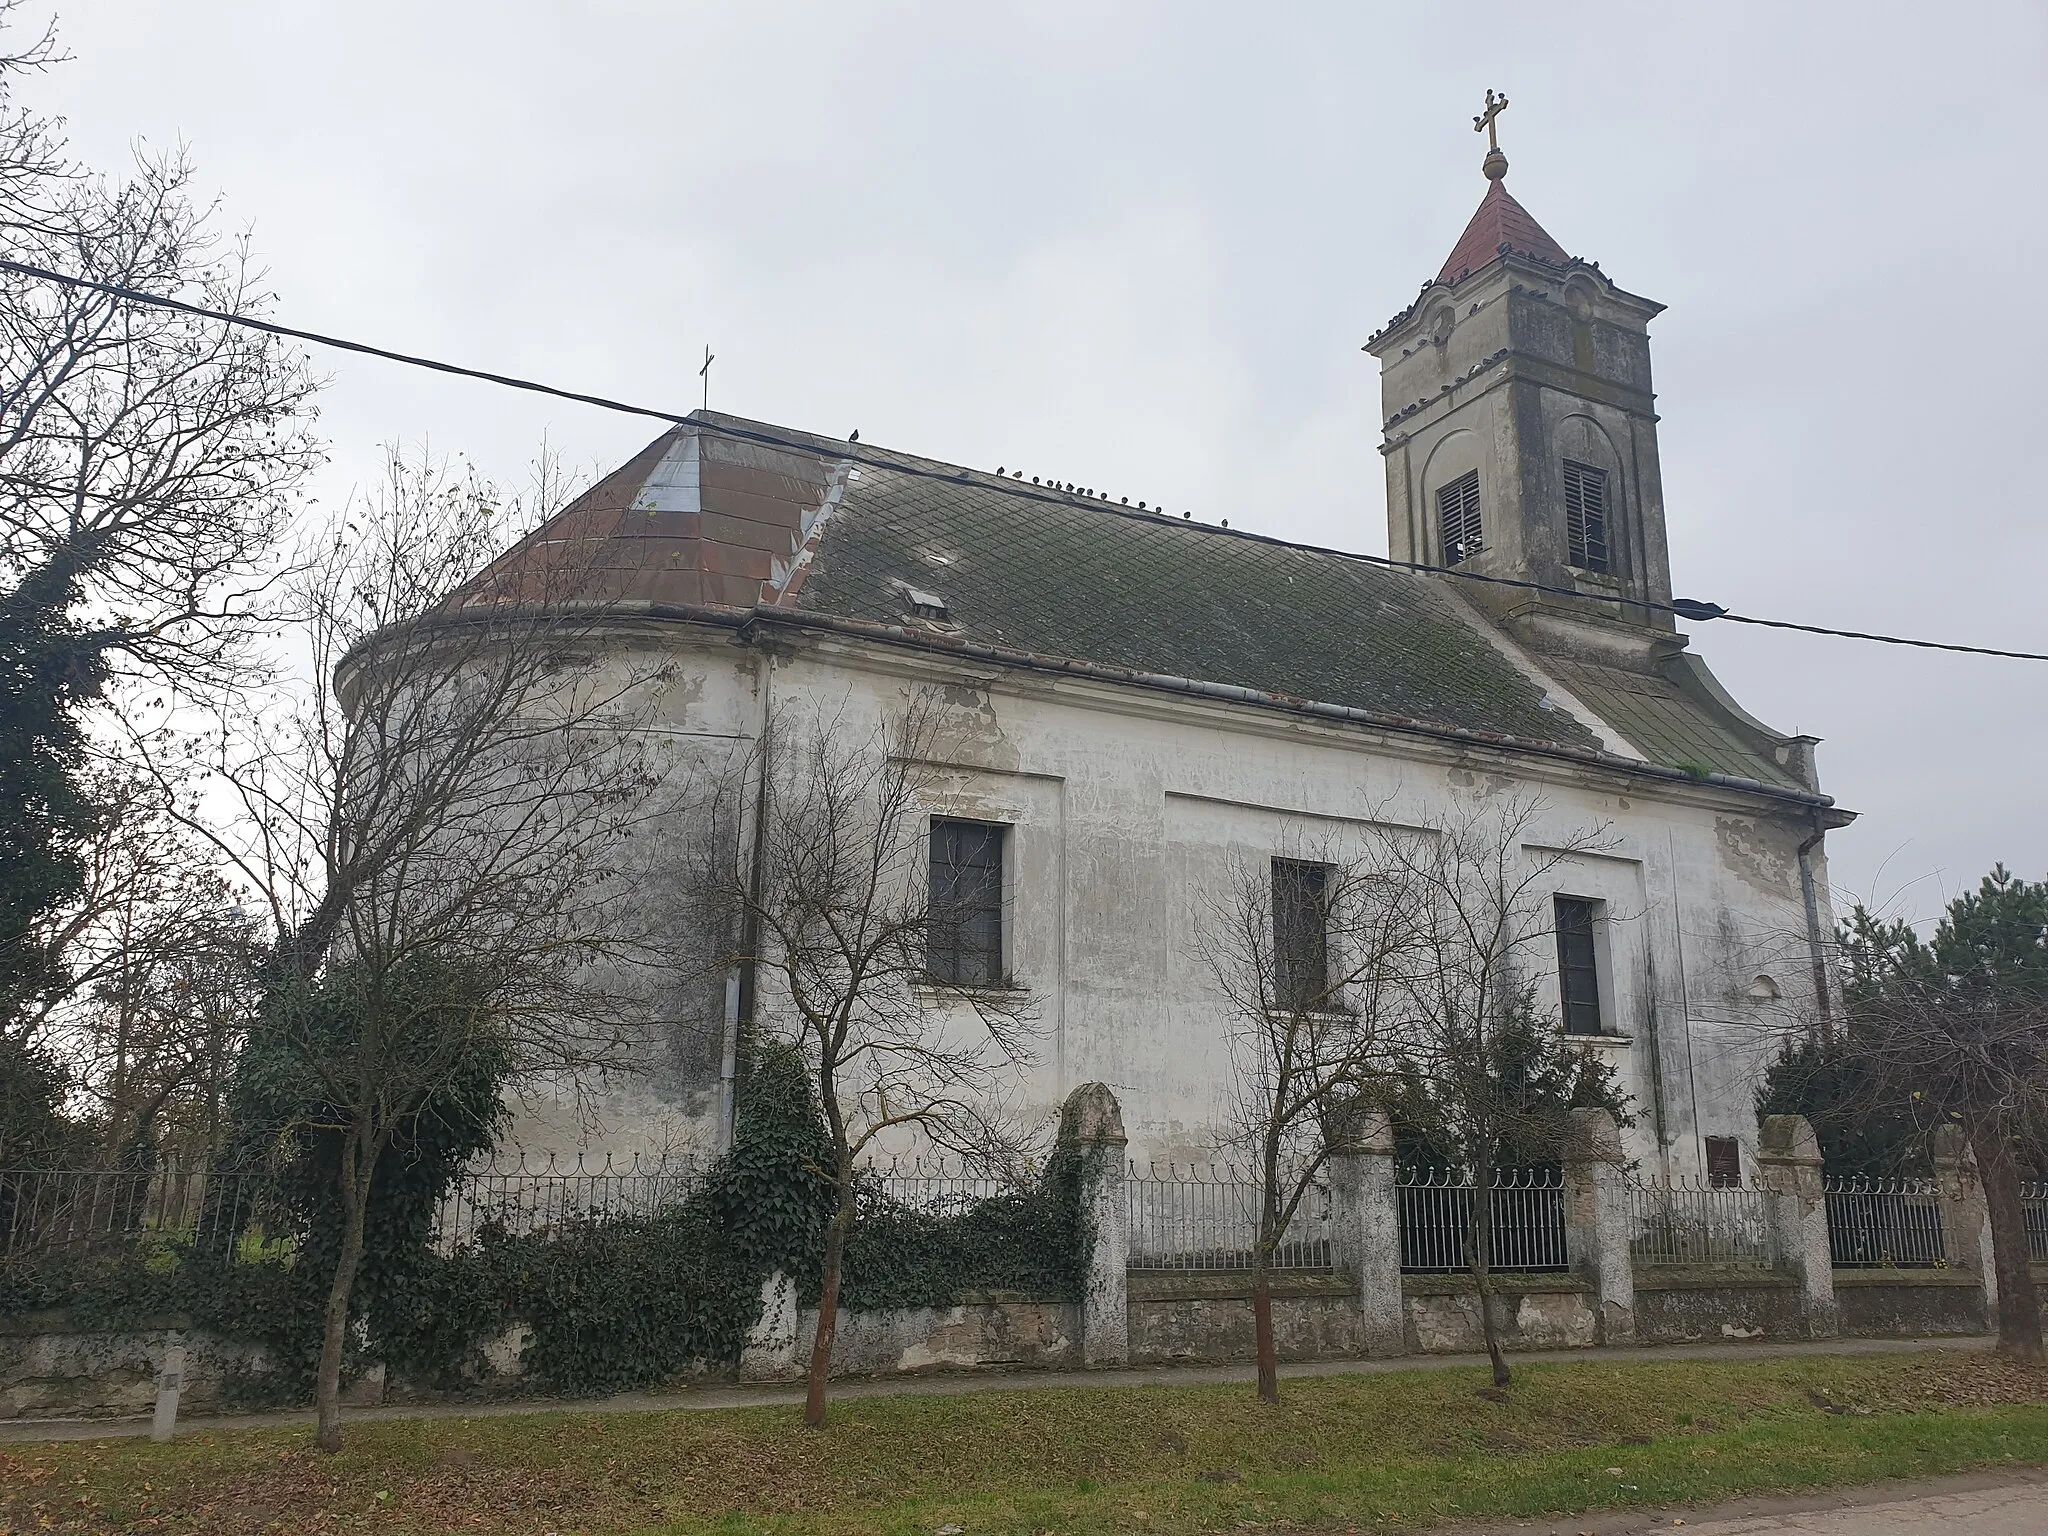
(1521, 434)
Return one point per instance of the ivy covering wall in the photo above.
(612, 1305)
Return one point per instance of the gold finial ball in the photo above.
(1495, 165)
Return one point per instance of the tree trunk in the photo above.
(1482, 1272)
(2019, 1306)
(1262, 1326)
(828, 1310)
(355, 1197)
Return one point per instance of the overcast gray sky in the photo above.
(1137, 246)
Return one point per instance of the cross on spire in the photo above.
(704, 373)
(1496, 164)
(1495, 105)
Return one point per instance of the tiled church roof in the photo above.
(1499, 221)
(713, 516)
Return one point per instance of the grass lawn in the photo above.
(1341, 1452)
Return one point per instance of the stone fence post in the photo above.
(1965, 1216)
(1788, 1166)
(170, 1382)
(1597, 1219)
(1092, 1123)
(1365, 1232)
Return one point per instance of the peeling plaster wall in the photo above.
(1128, 809)
(704, 719)
(982, 1335)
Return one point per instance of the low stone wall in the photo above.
(1014, 1335)
(49, 1370)
(1208, 1316)
(1681, 1306)
(1532, 1312)
(993, 1330)
(1909, 1303)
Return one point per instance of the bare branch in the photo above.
(818, 873)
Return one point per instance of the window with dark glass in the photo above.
(965, 946)
(1578, 965)
(1301, 933)
(1457, 515)
(1724, 1162)
(1585, 515)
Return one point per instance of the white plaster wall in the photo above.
(1128, 807)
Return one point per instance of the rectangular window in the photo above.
(1578, 965)
(1301, 934)
(1724, 1162)
(1457, 513)
(1585, 515)
(965, 946)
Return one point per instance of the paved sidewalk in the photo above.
(2013, 1503)
(20, 1431)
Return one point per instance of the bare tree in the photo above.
(1311, 952)
(160, 965)
(147, 458)
(1954, 1031)
(1496, 1081)
(821, 871)
(148, 462)
(147, 983)
(141, 883)
(443, 830)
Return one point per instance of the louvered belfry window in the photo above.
(1585, 515)
(1457, 511)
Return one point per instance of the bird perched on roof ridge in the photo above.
(853, 436)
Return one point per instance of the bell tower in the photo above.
(1521, 435)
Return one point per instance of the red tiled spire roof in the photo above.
(1500, 221)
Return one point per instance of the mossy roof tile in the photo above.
(1157, 594)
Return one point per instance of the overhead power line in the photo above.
(1685, 608)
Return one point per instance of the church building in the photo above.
(1147, 700)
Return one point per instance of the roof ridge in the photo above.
(1050, 493)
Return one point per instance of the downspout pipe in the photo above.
(740, 979)
(1815, 944)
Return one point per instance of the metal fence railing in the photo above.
(937, 1187)
(1437, 1207)
(527, 1195)
(2034, 1212)
(1189, 1216)
(44, 1210)
(1684, 1221)
(1884, 1223)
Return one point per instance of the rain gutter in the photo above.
(748, 622)
(899, 634)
